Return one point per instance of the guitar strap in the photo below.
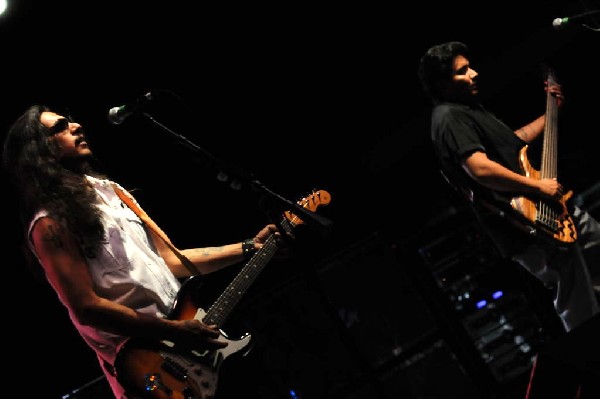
(135, 207)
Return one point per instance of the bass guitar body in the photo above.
(550, 218)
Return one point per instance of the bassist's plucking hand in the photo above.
(551, 189)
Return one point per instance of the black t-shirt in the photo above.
(458, 130)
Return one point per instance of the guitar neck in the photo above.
(548, 165)
(226, 302)
(220, 310)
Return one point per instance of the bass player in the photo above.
(483, 158)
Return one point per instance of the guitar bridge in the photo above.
(175, 369)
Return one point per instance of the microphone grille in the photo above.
(115, 116)
(558, 22)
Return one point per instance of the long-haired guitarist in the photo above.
(526, 211)
(114, 270)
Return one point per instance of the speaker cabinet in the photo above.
(431, 373)
(331, 331)
(376, 300)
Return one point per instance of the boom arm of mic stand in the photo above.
(312, 219)
(217, 163)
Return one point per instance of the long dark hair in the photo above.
(42, 181)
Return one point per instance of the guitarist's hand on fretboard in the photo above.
(285, 245)
(283, 239)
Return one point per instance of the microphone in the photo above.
(116, 115)
(560, 22)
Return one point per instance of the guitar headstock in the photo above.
(311, 202)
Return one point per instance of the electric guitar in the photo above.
(165, 370)
(550, 218)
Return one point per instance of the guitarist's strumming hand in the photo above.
(199, 335)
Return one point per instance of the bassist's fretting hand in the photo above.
(555, 90)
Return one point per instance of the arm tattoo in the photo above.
(209, 250)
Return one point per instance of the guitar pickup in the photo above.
(175, 369)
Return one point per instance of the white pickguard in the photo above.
(199, 368)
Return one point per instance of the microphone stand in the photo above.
(312, 219)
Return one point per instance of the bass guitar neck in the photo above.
(549, 217)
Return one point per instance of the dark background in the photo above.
(297, 97)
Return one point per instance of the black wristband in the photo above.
(248, 248)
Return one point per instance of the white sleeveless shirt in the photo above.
(127, 270)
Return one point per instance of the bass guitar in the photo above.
(165, 370)
(550, 218)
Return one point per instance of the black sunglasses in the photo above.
(60, 125)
